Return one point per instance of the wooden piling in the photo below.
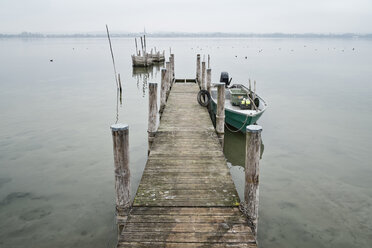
(172, 66)
(135, 39)
(170, 72)
(168, 67)
(203, 87)
(198, 75)
(120, 137)
(142, 46)
(252, 159)
(163, 90)
(209, 79)
(153, 110)
(220, 115)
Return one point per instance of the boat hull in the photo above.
(237, 120)
(141, 61)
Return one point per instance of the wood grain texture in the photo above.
(251, 189)
(186, 227)
(198, 73)
(209, 79)
(163, 90)
(120, 138)
(186, 197)
(220, 115)
(203, 85)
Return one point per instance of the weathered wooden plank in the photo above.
(186, 219)
(193, 227)
(187, 237)
(153, 244)
(161, 187)
(185, 211)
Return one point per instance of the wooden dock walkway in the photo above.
(186, 197)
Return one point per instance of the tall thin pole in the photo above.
(142, 45)
(144, 41)
(135, 39)
(112, 55)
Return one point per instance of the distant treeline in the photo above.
(176, 34)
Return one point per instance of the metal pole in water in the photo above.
(252, 172)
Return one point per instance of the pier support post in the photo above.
(220, 114)
(209, 80)
(203, 87)
(153, 110)
(172, 67)
(163, 90)
(120, 138)
(169, 76)
(198, 69)
(252, 159)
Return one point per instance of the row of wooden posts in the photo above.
(120, 134)
(204, 79)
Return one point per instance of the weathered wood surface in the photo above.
(220, 115)
(186, 197)
(186, 227)
(252, 173)
(120, 138)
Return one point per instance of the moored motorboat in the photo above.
(243, 107)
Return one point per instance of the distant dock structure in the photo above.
(186, 197)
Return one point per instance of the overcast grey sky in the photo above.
(256, 16)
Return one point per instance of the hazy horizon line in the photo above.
(166, 34)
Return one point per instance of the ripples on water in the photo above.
(56, 168)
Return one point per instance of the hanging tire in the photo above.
(204, 98)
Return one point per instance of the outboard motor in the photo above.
(225, 78)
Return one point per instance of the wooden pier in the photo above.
(186, 197)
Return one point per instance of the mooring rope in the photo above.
(239, 128)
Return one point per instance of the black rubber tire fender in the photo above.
(204, 98)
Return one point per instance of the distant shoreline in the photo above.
(186, 35)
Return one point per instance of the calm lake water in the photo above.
(56, 162)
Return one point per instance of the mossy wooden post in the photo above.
(120, 138)
(168, 67)
(252, 172)
(198, 75)
(153, 110)
(163, 90)
(172, 66)
(220, 115)
(203, 87)
(170, 70)
(209, 79)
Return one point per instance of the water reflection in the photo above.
(234, 148)
(144, 74)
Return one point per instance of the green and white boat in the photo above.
(237, 115)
